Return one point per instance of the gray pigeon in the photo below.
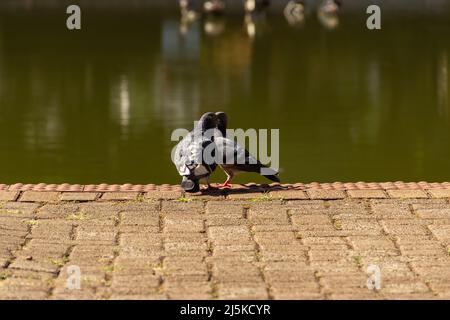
(236, 159)
(189, 157)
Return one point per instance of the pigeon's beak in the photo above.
(190, 186)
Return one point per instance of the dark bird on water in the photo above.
(330, 7)
(216, 7)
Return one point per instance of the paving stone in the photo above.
(367, 194)
(79, 196)
(324, 240)
(372, 242)
(164, 195)
(180, 207)
(407, 194)
(404, 287)
(8, 195)
(119, 196)
(36, 196)
(139, 218)
(313, 219)
(243, 291)
(182, 225)
(298, 277)
(185, 246)
(218, 208)
(234, 248)
(306, 205)
(441, 232)
(206, 195)
(358, 227)
(289, 195)
(275, 237)
(391, 211)
(238, 195)
(272, 228)
(226, 220)
(325, 194)
(433, 213)
(60, 211)
(16, 210)
(439, 193)
(403, 228)
(229, 234)
(39, 266)
(244, 272)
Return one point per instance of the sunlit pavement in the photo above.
(316, 241)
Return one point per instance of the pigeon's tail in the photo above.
(270, 174)
(273, 177)
(263, 170)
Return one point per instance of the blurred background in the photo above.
(99, 105)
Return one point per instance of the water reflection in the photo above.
(294, 12)
(443, 85)
(214, 26)
(177, 89)
(1, 65)
(124, 102)
(100, 105)
(327, 14)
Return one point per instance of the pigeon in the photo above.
(191, 154)
(235, 159)
(215, 7)
(330, 7)
(188, 11)
(255, 5)
(294, 12)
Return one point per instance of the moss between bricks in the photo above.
(4, 275)
(77, 216)
(337, 224)
(59, 262)
(263, 198)
(358, 261)
(10, 211)
(32, 222)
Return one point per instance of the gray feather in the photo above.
(188, 156)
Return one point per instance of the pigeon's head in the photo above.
(207, 121)
(190, 185)
(222, 122)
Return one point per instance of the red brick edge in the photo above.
(299, 191)
(65, 187)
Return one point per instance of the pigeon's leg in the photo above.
(227, 183)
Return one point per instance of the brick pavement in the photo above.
(311, 243)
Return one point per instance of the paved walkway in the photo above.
(320, 241)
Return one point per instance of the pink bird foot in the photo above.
(225, 185)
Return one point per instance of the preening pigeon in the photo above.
(194, 154)
(236, 159)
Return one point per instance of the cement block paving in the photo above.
(316, 244)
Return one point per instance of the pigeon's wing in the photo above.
(182, 155)
(238, 158)
(233, 154)
(188, 157)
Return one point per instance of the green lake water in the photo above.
(99, 105)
